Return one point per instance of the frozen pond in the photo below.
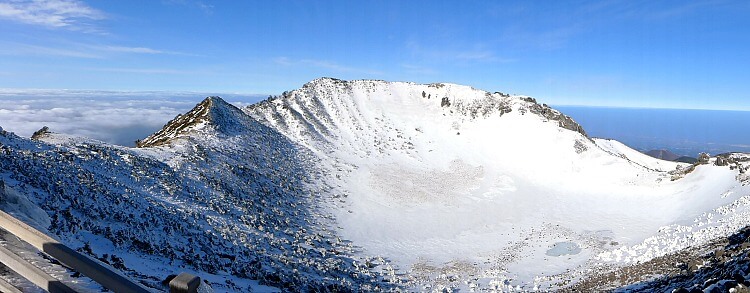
(564, 248)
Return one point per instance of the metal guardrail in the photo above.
(32, 273)
(7, 287)
(107, 277)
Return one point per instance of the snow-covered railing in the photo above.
(107, 277)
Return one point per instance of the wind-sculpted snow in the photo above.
(372, 185)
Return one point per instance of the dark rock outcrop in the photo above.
(445, 102)
(40, 133)
(563, 120)
(703, 158)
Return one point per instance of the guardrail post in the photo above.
(184, 283)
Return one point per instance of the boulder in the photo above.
(445, 102)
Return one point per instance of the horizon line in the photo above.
(649, 108)
(4, 92)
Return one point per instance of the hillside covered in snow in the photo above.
(368, 186)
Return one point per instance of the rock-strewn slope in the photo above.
(224, 195)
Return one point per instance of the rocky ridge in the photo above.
(325, 110)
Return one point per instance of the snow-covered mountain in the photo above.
(372, 185)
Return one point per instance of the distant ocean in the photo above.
(684, 132)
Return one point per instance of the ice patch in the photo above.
(564, 248)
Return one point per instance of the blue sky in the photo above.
(676, 54)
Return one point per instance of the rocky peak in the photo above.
(212, 112)
(563, 121)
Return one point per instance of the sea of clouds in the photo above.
(114, 117)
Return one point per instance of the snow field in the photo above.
(434, 187)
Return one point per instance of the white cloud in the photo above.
(206, 8)
(79, 50)
(477, 53)
(115, 117)
(416, 69)
(133, 50)
(147, 70)
(139, 50)
(325, 65)
(481, 56)
(71, 14)
(26, 49)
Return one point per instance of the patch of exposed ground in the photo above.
(720, 266)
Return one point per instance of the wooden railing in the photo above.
(105, 276)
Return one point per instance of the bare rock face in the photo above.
(563, 120)
(703, 158)
(40, 133)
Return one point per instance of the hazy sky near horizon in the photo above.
(675, 54)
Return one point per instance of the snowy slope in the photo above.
(484, 187)
(619, 149)
(230, 206)
(372, 185)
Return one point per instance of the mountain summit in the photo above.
(212, 112)
(357, 115)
